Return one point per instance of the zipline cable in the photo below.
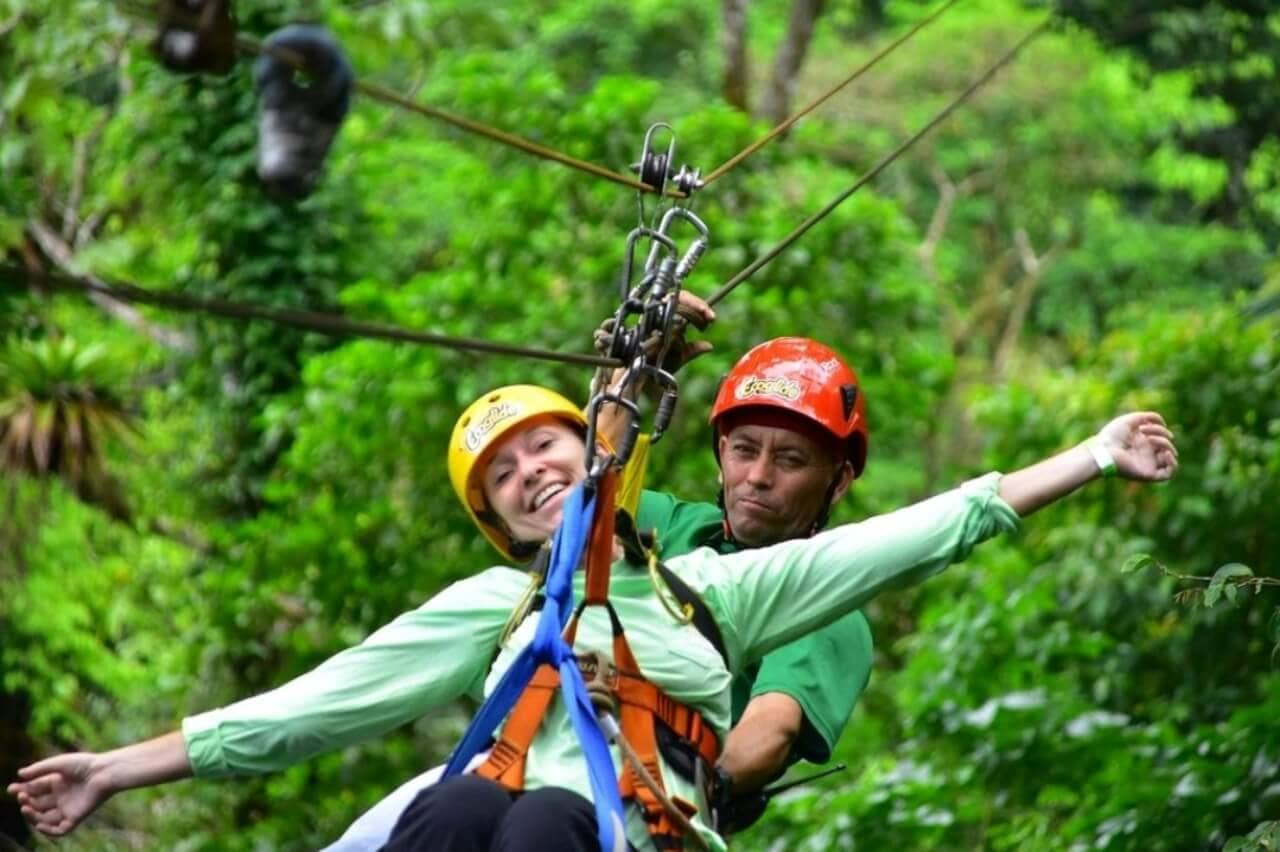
(332, 325)
(338, 326)
(880, 166)
(388, 95)
(250, 45)
(720, 170)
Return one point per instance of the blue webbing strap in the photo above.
(548, 646)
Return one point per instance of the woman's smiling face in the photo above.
(530, 474)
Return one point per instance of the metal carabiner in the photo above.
(657, 241)
(597, 462)
(667, 402)
(696, 250)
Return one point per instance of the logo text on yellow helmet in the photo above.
(474, 437)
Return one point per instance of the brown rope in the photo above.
(378, 92)
(250, 45)
(687, 828)
(596, 670)
(332, 325)
(880, 166)
(786, 124)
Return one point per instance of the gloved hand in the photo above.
(690, 310)
(733, 811)
(741, 813)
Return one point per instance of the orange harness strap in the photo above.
(642, 704)
(505, 763)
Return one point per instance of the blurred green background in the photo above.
(222, 505)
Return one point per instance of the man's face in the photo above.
(775, 482)
(531, 474)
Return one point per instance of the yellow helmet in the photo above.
(481, 427)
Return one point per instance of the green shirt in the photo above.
(824, 672)
(761, 600)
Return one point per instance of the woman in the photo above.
(522, 470)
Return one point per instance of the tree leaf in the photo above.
(1137, 563)
(1232, 569)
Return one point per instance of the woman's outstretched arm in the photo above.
(770, 596)
(56, 794)
(424, 658)
(1140, 445)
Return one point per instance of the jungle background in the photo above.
(193, 510)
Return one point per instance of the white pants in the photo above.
(372, 830)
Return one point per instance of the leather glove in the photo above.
(734, 811)
(690, 310)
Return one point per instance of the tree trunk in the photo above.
(735, 54)
(16, 750)
(786, 67)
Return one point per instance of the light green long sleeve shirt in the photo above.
(761, 599)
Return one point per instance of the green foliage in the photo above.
(1264, 838)
(1226, 50)
(57, 411)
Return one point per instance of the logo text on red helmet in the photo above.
(474, 437)
(780, 387)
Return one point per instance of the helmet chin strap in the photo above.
(522, 550)
(824, 514)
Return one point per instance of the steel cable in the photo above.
(786, 124)
(880, 166)
(250, 45)
(332, 325)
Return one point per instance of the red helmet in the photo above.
(803, 377)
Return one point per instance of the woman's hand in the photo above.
(58, 793)
(1141, 445)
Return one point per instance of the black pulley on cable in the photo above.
(196, 35)
(304, 81)
(656, 168)
(652, 169)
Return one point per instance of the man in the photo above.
(789, 431)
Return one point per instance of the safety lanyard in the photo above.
(549, 647)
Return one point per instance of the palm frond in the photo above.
(58, 408)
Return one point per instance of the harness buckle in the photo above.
(601, 678)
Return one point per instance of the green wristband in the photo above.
(1101, 456)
